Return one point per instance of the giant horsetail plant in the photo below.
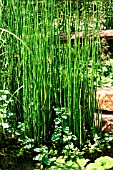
(53, 73)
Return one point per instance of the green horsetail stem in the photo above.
(51, 73)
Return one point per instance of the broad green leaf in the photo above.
(38, 157)
(60, 160)
(105, 161)
(94, 166)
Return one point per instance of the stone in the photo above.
(107, 121)
(104, 97)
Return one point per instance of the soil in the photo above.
(11, 160)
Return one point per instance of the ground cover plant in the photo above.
(47, 89)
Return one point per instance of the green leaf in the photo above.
(28, 146)
(105, 161)
(64, 116)
(53, 168)
(56, 136)
(57, 121)
(69, 163)
(94, 166)
(44, 150)
(60, 160)
(74, 137)
(21, 138)
(75, 166)
(18, 132)
(37, 150)
(3, 97)
(82, 162)
(58, 113)
(66, 138)
(5, 125)
(69, 146)
(52, 159)
(65, 128)
(62, 109)
(105, 69)
(38, 157)
(58, 128)
(46, 161)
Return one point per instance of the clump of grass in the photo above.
(52, 73)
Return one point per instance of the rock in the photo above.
(104, 97)
(108, 127)
(107, 121)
